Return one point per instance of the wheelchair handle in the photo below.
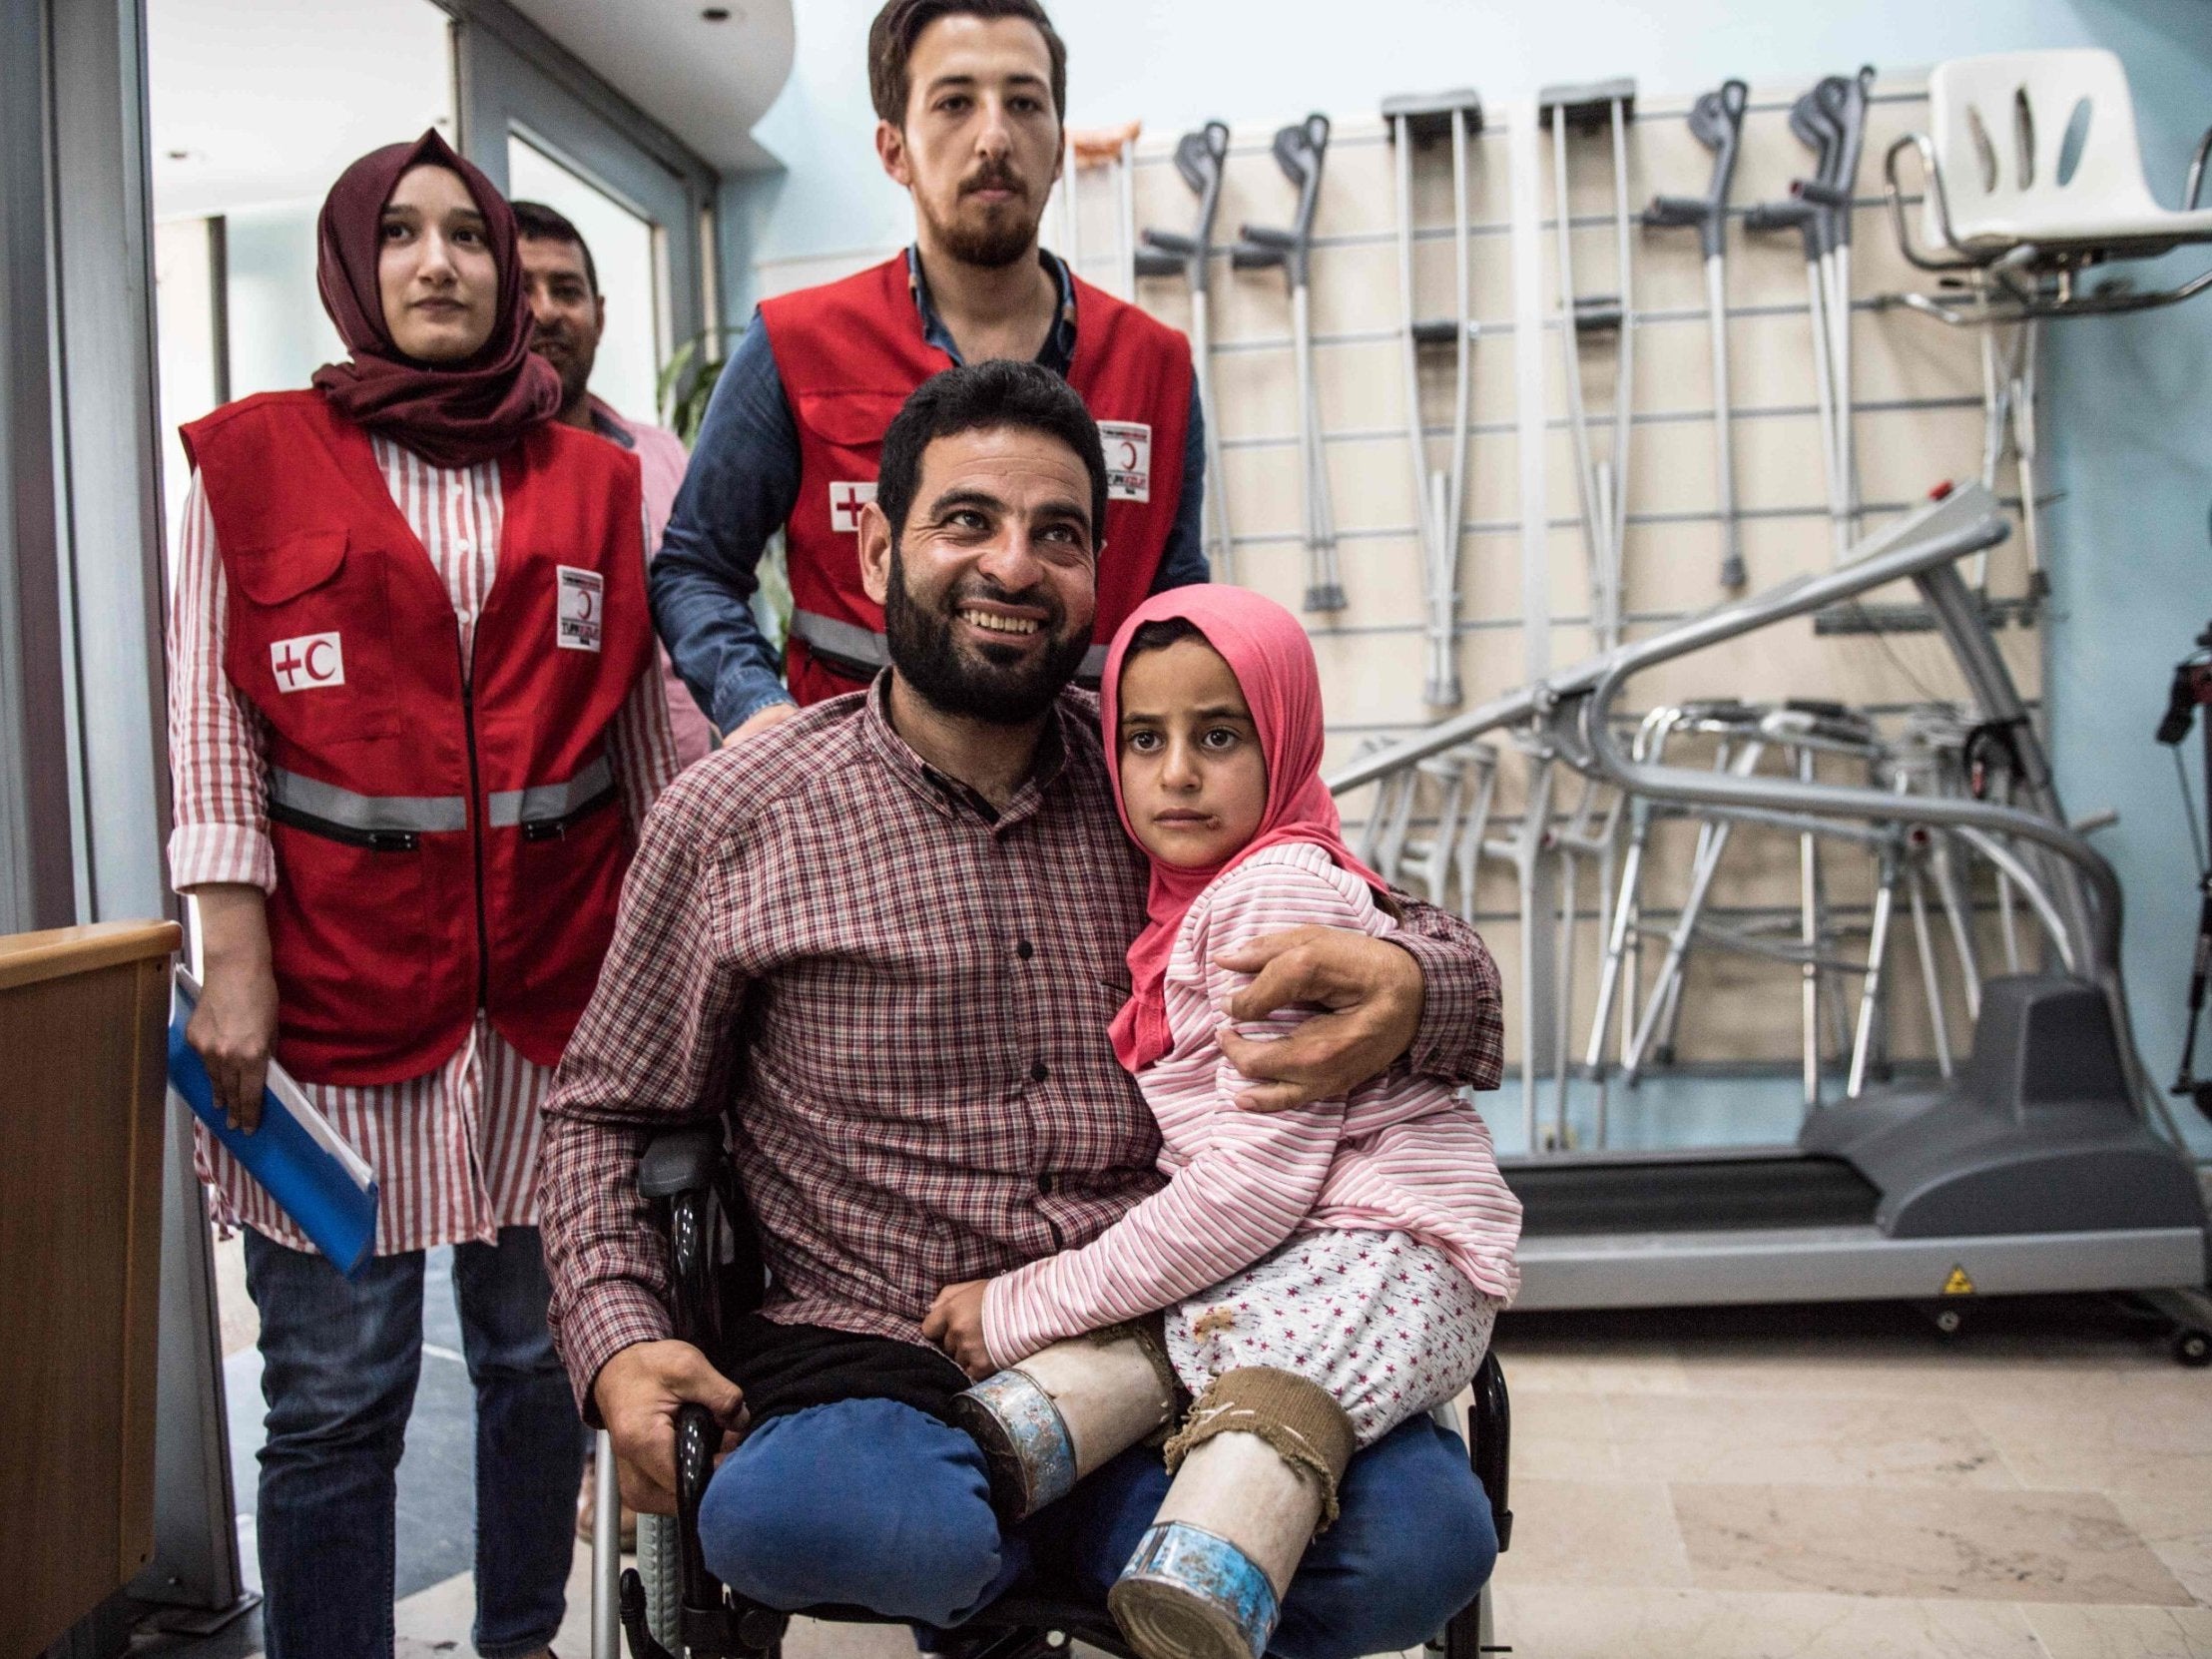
(697, 1438)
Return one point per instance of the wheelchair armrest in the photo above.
(680, 1161)
(1491, 1443)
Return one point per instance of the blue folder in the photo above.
(322, 1184)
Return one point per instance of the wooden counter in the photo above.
(82, 1079)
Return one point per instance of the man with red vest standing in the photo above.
(969, 96)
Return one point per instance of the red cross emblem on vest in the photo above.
(846, 502)
(308, 661)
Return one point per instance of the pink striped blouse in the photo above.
(1401, 1153)
(457, 1150)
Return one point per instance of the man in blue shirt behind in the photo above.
(969, 96)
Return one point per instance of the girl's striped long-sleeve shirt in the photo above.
(457, 1150)
(1399, 1153)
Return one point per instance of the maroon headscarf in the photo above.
(451, 414)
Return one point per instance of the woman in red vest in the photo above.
(414, 728)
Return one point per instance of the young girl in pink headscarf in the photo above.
(1326, 1272)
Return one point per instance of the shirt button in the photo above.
(1025, 951)
(1044, 1185)
(1038, 1072)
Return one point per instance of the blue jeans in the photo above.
(340, 1361)
(874, 1504)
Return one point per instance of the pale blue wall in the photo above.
(2128, 404)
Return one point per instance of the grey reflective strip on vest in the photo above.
(421, 815)
(857, 645)
(839, 639)
(544, 803)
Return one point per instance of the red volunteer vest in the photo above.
(851, 352)
(442, 843)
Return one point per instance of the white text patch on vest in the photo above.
(846, 502)
(582, 592)
(308, 661)
(1128, 446)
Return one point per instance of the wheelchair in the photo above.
(675, 1609)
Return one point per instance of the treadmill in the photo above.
(2050, 1161)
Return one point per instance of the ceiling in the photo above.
(268, 99)
(260, 102)
(705, 82)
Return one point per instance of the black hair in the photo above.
(892, 37)
(1158, 636)
(979, 397)
(535, 222)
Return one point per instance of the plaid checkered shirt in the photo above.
(898, 1001)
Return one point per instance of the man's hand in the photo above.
(235, 1025)
(1371, 989)
(760, 721)
(956, 1324)
(638, 1393)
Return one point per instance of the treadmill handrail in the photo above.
(2099, 951)
(1966, 521)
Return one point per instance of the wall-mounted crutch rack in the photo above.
(1717, 122)
(1829, 119)
(1586, 321)
(1299, 150)
(2031, 179)
(1198, 159)
(1439, 496)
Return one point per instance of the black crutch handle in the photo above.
(1717, 118)
(1199, 157)
(1802, 216)
(1843, 102)
(1717, 122)
(1668, 210)
(1816, 128)
(1299, 149)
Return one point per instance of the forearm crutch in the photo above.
(1811, 221)
(1299, 150)
(1717, 122)
(1199, 157)
(1438, 497)
(1602, 484)
(1842, 102)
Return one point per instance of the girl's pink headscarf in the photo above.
(1266, 648)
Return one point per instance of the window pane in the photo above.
(622, 250)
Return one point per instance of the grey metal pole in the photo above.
(606, 1551)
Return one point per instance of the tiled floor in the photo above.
(1767, 1483)
(1738, 1484)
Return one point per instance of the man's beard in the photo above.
(573, 367)
(994, 684)
(998, 238)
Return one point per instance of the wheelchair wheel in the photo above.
(660, 1566)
